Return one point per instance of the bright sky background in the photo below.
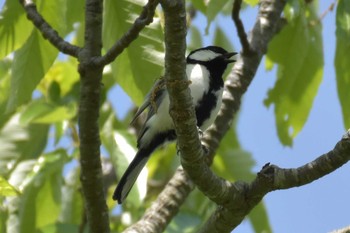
(318, 207)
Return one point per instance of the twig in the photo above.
(321, 17)
(145, 18)
(47, 31)
(240, 27)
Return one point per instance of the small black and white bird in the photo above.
(204, 68)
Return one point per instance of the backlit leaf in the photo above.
(342, 58)
(142, 62)
(31, 62)
(7, 189)
(299, 74)
(15, 27)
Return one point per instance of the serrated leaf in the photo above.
(15, 27)
(142, 62)
(30, 64)
(6, 189)
(299, 74)
(342, 59)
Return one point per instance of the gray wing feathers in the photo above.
(152, 99)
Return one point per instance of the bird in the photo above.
(204, 68)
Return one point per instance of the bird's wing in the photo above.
(152, 100)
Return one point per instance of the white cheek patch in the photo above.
(204, 55)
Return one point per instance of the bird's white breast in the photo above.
(199, 77)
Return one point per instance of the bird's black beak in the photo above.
(227, 57)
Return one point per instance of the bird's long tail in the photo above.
(132, 172)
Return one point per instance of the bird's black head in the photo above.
(214, 58)
(208, 54)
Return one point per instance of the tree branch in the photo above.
(145, 18)
(270, 178)
(237, 83)
(167, 205)
(90, 95)
(240, 27)
(47, 31)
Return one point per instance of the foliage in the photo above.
(39, 91)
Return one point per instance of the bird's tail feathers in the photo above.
(129, 177)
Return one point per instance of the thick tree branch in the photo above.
(90, 95)
(145, 18)
(236, 85)
(47, 31)
(270, 178)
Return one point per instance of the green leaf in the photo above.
(72, 202)
(213, 9)
(34, 58)
(220, 39)
(299, 74)
(141, 63)
(20, 142)
(5, 66)
(31, 62)
(342, 59)
(54, 12)
(59, 228)
(252, 2)
(39, 204)
(74, 13)
(233, 162)
(195, 39)
(47, 113)
(15, 27)
(64, 74)
(258, 217)
(200, 5)
(184, 222)
(6, 189)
